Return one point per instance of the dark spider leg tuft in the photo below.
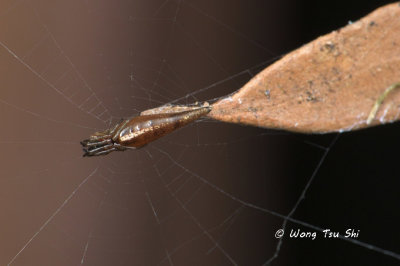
(94, 147)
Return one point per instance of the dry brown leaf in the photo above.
(327, 85)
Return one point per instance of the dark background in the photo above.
(208, 185)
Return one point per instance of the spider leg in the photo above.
(119, 147)
(92, 151)
(96, 137)
(87, 154)
(105, 152)
(101, 148)
(101, 143)
(96, 143)
(114, 132)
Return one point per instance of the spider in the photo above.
(138, 131)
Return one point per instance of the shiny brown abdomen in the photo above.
(143, 129)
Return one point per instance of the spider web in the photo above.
(209, 194)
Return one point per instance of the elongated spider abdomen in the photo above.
(146, 128)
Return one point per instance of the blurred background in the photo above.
(209, 194)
